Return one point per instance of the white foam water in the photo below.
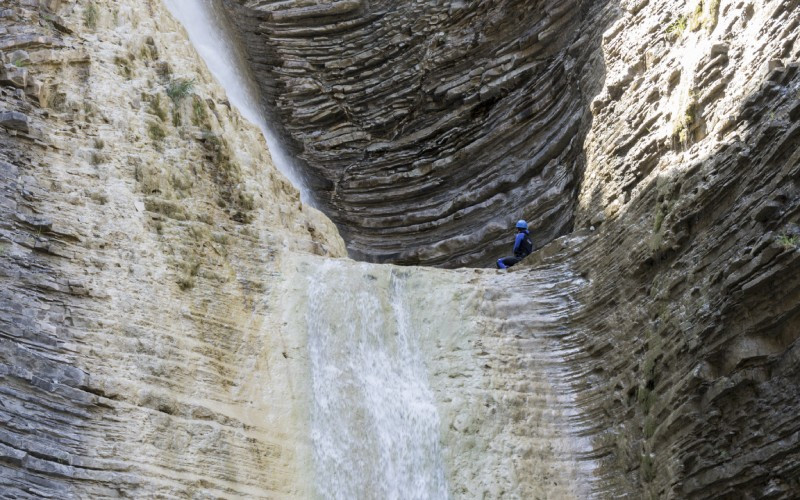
(375, 425)
(208, 29)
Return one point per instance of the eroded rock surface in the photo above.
(156, 270)
(140, 243)
(688, 340)
(427, 128)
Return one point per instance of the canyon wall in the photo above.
(688, 335)
(175, 322)
(142, 247)
(426, 129)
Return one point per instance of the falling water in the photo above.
(208, 30)
(374, 421)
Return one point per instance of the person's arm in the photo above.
(518, 241)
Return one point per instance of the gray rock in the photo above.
(14, 120)
(431, 128)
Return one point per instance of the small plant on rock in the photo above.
(676, 29)
(789, 242)
(157, 109)
(156, 133)
(199, 113)
(682, 127)
(124, 66)
(179, 89)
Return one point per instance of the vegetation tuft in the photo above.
(124, 65)
(199, 113)
(682, 127)
(179, 89)
(156, 132)
(157, 109)
(789, 242)
(676, 29)
(647, 471)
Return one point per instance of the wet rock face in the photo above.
(427, 128)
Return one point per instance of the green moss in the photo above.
(647, 470)
(156, 133)
(696, 19)
(649, 426)
(157, 109)
(645, 398)
(712, 18)
(124, 66)
(149, 50)
(677, 27)
(185, 282)
(789, 242)
(177, 120)
(659, 219)
(682, 127)
(199, 113)
(90, 16)
(163, 70)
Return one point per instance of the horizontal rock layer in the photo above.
(151, 307)
(426, 129)
(140, 249)
(687, 341)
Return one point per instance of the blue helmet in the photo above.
(521, 224)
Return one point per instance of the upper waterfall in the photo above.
(206, 25)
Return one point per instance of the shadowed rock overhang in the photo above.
(425, 129)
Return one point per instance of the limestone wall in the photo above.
(156, 269)
(142, 242)
(688, 339)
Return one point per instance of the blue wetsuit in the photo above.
(523, 246)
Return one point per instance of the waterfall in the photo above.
(411, 383)
(207, 27)
(374, 419)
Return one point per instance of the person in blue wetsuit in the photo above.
(523, 246)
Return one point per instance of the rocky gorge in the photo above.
(177, 322)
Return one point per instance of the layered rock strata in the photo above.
(687, 344)
(152, 336)
(427, 128)
(141, 238)
(158, 276)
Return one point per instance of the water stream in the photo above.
(375, 426)
(208, 30)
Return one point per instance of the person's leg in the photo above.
(506, 262)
